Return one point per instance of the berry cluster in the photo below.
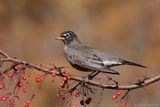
(116, 95)
(12, 81)
(87, 101)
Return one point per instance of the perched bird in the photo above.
(85, 58)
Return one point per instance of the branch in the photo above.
(57, 70)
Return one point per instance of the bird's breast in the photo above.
(65, 48)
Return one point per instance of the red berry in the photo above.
(25, 90)
(73, 105)
(77, 94)
(28, 101)
(58, 95)
(118, 93)
(54, 74)
(70, 74)
(6, 95)
(82, 102)
(4, 98)
(88, 101)
(114, 97)
(64, 78)
(38, 79)
(61, 85)
(1, 85)
(20, 84)
(10, 74)
(24, 77)
(11, 105)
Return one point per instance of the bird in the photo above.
(85, 58)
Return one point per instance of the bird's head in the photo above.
(68, 37)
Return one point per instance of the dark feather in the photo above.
(132, 63)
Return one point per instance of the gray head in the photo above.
(68, 37)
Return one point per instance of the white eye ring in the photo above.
(67, 35)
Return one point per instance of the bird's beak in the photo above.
(59, 38)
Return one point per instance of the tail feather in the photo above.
(133, 63)
(111, 71)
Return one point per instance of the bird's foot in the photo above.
(90, 77)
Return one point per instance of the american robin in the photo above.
(85, 58)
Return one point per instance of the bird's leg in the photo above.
(93, 74)
(90, 74)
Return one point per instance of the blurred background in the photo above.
(129, 29)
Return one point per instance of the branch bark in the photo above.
(39, 68)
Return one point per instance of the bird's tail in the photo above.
(132, 63)
(111, 71)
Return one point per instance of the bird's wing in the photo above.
(89, 60)
(110, 60)
(84, 61)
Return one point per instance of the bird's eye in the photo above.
(67, 35)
